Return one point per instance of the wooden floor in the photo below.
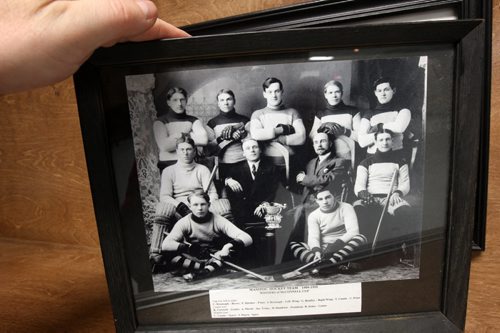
(51, 275)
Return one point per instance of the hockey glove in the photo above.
(227, 132)
(287, 129)
(366, 197)
(182, 209)
(333, 248)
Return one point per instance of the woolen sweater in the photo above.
(178, 181)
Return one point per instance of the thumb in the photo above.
(98, 23)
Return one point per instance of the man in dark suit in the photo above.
(326, 170)
(323, 172)
(250, 183)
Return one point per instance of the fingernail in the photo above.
(148, 8)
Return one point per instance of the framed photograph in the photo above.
(313, 179)
(329, 13)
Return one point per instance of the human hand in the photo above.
(332, 248)
(224, 252)
(227, 132)
(366, 197)
(377, 128)
(194, 249)
(182, 209)
(239, 134)
(395, 199)
(46, 41)
(234, 185)
(332, 128)
(236, 135)
(317, 255)
(328, 127)
(300, 177)
(286, 129)
(339, 130)
(260, 210)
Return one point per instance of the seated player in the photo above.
(333, 232)
(373, 185)
(198, 235)
(178, 181)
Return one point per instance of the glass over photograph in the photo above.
(282, 174)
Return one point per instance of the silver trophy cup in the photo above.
(273, 216)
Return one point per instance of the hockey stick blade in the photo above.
(265, 278)
(297, 272)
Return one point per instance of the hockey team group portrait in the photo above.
(275, 173)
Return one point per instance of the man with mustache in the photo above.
(323, 172)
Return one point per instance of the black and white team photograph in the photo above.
(277, 174)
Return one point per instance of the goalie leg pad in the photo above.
(163, 221)
(222, 207)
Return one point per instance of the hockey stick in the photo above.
(298, 271)
(266, 278)
(384, 210)
(286, 157)
(212, 176)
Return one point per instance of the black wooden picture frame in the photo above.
(93, 80)
(329, 13)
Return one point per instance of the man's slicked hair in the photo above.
(174, 90)
(200, 194)
(185, 138)
(384, 130)
(269, 81)
(383, 79)
(334, 83)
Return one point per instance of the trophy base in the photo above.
(272, 227)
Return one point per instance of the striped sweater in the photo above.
(344, 115)
(264, 121)
(374, 174)
(325, 228)
(233, 152)
(204, 233)
(168, 128)
(392, 116)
